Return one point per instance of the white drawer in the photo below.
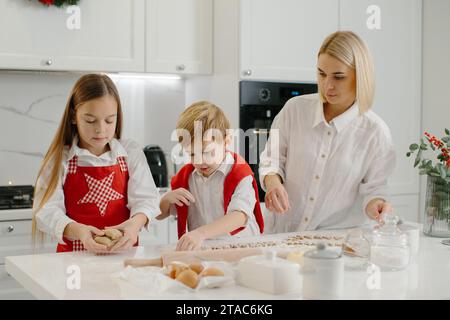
(15, 240)
(10, 289)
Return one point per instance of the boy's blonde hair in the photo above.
(351, 50)
(199, 118)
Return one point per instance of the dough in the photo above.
(188, 277)
(110, 238)
(104, 240)
(113, 234)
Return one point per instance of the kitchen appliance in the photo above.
(16, 197)
(259, 103)
(158, 165)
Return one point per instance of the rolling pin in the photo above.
(228, 255)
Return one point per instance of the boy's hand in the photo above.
(190, 241)
(86, 235)
(130, 229)
(179, 197)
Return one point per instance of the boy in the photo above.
(216, 194)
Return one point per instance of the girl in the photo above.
(90, 179)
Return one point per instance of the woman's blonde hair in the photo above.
(351, 50)
(204, 114)
(88, 87)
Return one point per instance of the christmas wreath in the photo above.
(59, 3)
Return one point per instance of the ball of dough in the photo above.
(196, 267)
(104, 241)
(212, 272)
(113, 234)
(189, 278)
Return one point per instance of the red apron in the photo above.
(95, 196)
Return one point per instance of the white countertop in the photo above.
(45, 276)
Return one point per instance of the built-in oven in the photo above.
(259, 103)
(16, 197)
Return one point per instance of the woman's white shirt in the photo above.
(330, 170)
(143, 196)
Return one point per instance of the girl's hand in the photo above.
(190, 241)
(86, 235)
(276, 199)
(179, 197)
(376, 207)
(130, 230)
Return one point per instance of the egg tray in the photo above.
(290, 240)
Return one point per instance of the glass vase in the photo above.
(437, 208)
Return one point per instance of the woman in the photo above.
(326, 163)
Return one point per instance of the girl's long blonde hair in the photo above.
(88, 87)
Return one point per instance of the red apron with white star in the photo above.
(95, 196)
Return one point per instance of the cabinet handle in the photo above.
(247, 72)
(10, 229)
(49, 62)
(180, 67)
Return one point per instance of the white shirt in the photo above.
(209, 200)
(142, 193)
(330, 170)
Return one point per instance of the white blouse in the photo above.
(143, 196)
(209, 200)
(330, 170)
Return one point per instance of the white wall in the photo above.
(31, 106)
(222, 88)
(436, 71)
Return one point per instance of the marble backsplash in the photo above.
(31, 106)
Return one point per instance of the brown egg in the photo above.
(188, 277)
(175, 268)
(197, 267)
(211, 272)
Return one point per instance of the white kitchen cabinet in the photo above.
(280, 38)
(392, 30)
(173, 230)
(15, 240)
(110, 36)
(179, 36)
(10, 289)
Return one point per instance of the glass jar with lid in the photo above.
(390, 248)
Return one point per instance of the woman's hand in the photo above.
(179, 197)
(130, 230)
(376, 207)
(86, 235)
(190, 241)
(276, 199)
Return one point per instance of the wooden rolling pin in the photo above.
(229, 255)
